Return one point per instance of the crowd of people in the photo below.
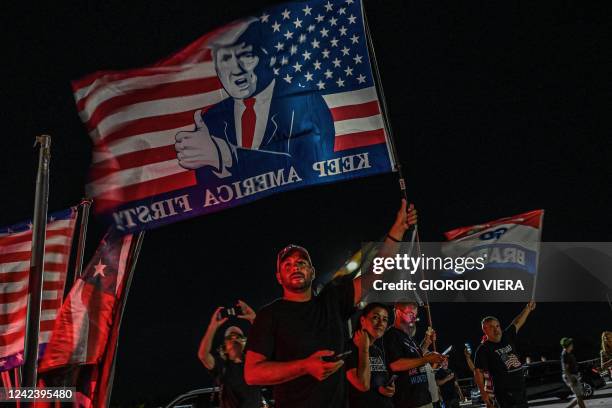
(302, 348)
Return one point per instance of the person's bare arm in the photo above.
(468, 360)
(360, 376)
(206, 343)
(404, 364)
(520, 320)
(406, 217)
(479, 379)
(258, 370)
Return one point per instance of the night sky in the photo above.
(497, 108)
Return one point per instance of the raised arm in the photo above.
(520, 320)
(406, 217)
(204, 350)
(258, 370)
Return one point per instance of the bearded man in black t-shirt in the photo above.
(294, 339)
(498, 355)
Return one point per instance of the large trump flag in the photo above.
(274, 102)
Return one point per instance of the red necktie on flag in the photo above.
(248, 123)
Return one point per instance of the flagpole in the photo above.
(37, 262)
(84, 206)
(537, 260)
(389, 130)
(115, 333)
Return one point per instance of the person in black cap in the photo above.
(227, 366)
(294, 342)
(571, 375)
(366, 366)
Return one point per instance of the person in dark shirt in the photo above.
(227, 367)
(449, 388)
(406, 359)
(293, 338)
(366, 367)
(498, 355)
(571, 375)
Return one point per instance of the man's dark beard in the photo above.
(301, 288)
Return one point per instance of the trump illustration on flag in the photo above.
(270, 103)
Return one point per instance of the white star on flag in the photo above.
(315, 43)
(307, 10)
(288, 78)
(302, 38)
(311, 28)
(317, 64)
(99, 269)
(340, 82)
(342, 30)
(336, 62)
(357, 58)
(279, 46)
(319, 18)
(325, 53)
(286, 14)
(349, 1)
(321, 85)
(293, 49)
(297, 67)
(264, 18)
(284, 61)
(328, 74)
(334, 42)
(352, 19)
(328, 6)
(361, 78)
(341, 10)
(297, 23)
(276, 27)
(348, 71)
(333, 21)
(345, 51)
(306, 55)
(354, 39)
(288, 35)
(324, 32)
(308, 76)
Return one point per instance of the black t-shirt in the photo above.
(378, 376)
(502, 362)
(235, 392)
(570, 360)
(287, 331)
(411, 387)
(448, 389)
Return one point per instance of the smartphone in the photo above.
(391, 380)
(468, 347)
(336, 357)
(448, 350)
(229, 312)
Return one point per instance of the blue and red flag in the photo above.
(82, 347)
(270, 103)
(509, 243)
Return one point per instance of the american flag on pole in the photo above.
(270, 103)
(15, 253)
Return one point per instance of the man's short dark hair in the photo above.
(488, 319)
(415, 304)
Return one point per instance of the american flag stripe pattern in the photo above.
(15, 253)
(133, 116)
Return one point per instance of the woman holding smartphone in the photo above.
(371, 384)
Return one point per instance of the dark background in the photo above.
(497, 108)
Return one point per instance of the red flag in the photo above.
(85, 333)
(15, 254)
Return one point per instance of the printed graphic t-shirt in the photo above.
(378, 377)
(502, 362)
(411, 387)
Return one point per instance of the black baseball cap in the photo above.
(288, 250)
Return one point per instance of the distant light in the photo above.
(351, 266)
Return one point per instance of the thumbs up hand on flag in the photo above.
(198, 148)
